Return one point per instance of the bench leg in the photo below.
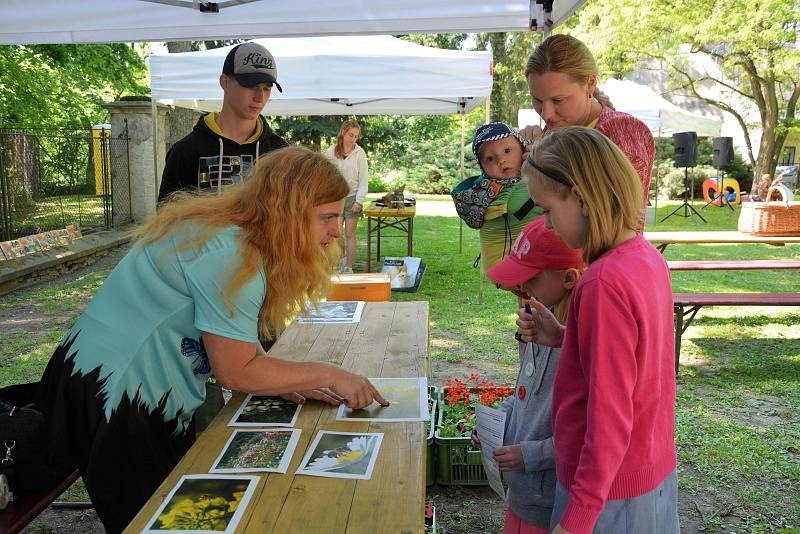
(369, 244)
(678, 310)
(683, 318)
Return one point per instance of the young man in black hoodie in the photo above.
(223, 146)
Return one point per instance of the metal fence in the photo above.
(49, 179)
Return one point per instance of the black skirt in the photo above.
(122, 459)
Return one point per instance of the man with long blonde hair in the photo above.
(207, 275)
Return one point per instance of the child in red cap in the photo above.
(540, 266)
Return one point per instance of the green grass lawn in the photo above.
(738, 412)
(52, 213)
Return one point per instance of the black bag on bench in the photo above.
(23, 448)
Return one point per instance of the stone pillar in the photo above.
(135, 117)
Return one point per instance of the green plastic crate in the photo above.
(433, 394)
(456, 464)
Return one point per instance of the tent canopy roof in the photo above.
(358, 75)
(87, 21)
(660, 115)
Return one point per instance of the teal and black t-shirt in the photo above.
(143, 328)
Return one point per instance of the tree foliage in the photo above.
(451, 41)
(510, 53)
(753, 44)
(65, 86)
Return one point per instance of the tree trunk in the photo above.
(179, 120)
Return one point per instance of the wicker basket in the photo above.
(770, 218)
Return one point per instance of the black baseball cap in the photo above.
(251, 64)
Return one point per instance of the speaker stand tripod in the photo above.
(723, 197)
(688, 209)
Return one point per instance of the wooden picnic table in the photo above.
(390, 341)
(661, 240)
(733, 265)
(397, 218)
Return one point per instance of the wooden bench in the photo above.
(26, 507)
(733, 265)
(686, 306)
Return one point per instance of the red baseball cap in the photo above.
(536, 249)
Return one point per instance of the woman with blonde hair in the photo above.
(207, 275)
(614, 392)
(562, 78)
(351, 160)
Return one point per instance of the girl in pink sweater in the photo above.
(614, 392)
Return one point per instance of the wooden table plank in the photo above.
(404, 357)
(391, 340)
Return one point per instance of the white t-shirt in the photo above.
(354, 170)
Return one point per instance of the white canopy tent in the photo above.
(359, 75)
(92, 21)
(660, 115)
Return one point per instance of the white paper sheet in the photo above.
(208, 489)
(408, 401)
(252, 451)
(264, 410)
(491, 425)
(342, 455)
(333, 312)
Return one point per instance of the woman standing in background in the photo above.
(351, 160)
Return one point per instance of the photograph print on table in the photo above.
(341, 455)
(261, 410)
(333, 312)
(250, 451)
(408, 401)
(204, 503)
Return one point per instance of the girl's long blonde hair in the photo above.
(338, 150)
(274, 207)
(600, 172)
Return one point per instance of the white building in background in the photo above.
(657, 78)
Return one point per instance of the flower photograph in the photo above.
(408, 401)
(204, 503)
(333, 312)
(250, 451)
(258, 410)
(342, 455)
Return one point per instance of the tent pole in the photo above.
(460, 220)
(154, 112)
(658, 174)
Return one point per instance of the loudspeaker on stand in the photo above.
(722, 155)
(685, 149)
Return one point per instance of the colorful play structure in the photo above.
(730, 191)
